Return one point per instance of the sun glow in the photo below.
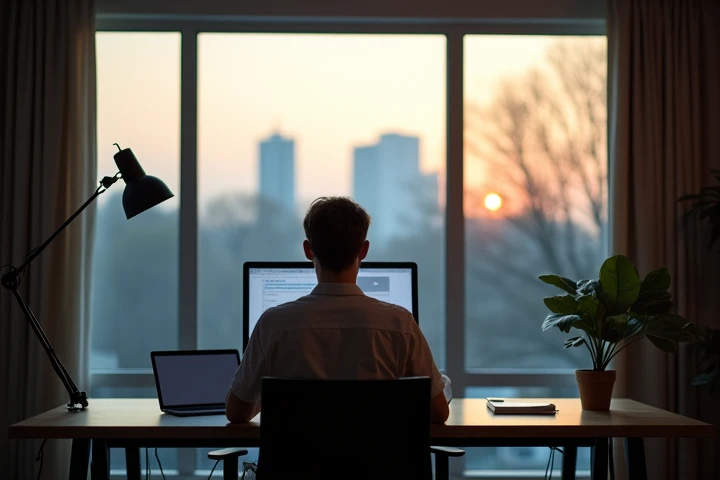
(493, 202)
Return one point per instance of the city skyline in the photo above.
(330, 92)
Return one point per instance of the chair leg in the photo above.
(230, 468)
(442, 467)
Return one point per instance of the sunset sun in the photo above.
(493, 201)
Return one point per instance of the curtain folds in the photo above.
(664, 112)
(47, 170)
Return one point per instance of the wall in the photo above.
(465, 10)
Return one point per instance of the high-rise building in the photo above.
(277, 171)
(387, 181)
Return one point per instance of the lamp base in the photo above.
(78, 402)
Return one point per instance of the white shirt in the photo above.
(335, 333)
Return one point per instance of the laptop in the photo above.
(267, 284)
(194, 382)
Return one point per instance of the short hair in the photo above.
(336, 228)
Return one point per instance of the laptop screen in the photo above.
(199, 378)
(269, 285)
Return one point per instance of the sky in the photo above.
(328, 92)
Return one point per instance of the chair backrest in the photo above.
(344, 429)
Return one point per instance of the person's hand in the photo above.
(447, 389)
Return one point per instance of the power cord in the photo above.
(612, 459)
(147, 465)
(213, 469)
(551, 462)
(159, 464)
(40, 457)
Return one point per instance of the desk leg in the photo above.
(100, 466)
(132, 463)
(569, 463)
(79, 458)
(600, 459)
(635, 455)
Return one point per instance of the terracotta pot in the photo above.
(595, 389)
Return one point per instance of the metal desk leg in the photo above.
(569, 463)
(635, 455)
(100, 466)
(132, 463)
(79, 458)
(600, 459)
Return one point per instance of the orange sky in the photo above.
(329, 92)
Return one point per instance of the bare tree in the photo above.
(542, 144)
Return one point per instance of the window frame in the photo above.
(454, 30)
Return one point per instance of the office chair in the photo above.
(344, 429)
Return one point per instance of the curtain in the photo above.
(47, 170)
(664, 112)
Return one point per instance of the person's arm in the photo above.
(439, 410)
(243, 400)
(421, 364)
(238, 411)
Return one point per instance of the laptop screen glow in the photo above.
(194, 380)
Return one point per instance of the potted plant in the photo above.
(706, 206)
(610, 313)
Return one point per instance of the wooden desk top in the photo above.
(469, 418)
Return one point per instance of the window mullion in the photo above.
(188, 270)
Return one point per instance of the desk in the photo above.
(136, 423)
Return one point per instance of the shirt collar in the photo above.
(337, 289)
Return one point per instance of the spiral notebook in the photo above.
(501, 406)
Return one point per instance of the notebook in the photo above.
(514, 407)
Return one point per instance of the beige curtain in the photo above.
(664, 136)
(47, 170)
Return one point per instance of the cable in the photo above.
(159, 464)
(147, 465)
(612, 460)
(40, 457)
(551, 462)
(213, 469)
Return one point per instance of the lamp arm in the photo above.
(105, 183)
(11, 281)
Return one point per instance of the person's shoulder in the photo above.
(283, 311)
(386, 312)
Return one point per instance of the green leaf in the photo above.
(703, 378)
(655, 301)
(563, 322)
(561, 304)
(574, 342)
(664, 344)
(656, 280)
(588, 304)
(620, 283)
(561, 282)
(614, 328)
(634, 327)
(667, 331)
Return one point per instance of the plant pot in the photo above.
(595, 389)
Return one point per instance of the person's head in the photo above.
(336, 232)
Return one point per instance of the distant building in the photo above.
(387, 181)
(277, 171)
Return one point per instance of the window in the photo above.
(286, 118)
(135, 266)
(535, 189)
(535, 202)
(278, 119)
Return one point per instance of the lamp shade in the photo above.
(142, 191)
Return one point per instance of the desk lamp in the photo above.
(141, 193)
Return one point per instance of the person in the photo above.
(335, 332)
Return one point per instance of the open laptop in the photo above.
(194, 382)
(266, 284)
